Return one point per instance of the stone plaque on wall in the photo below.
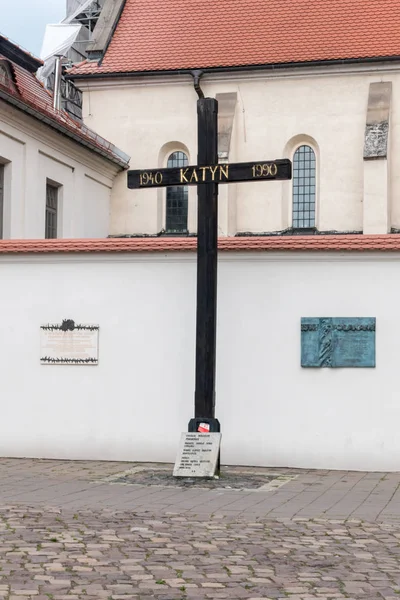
(197, 455)
(338, 342)
(69, 344)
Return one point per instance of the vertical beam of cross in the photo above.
(206, 175)
(207, 241)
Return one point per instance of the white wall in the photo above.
(276, 112)
(35, 154)
(135, 403)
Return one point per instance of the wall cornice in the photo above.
(28, 126)
(368, 69)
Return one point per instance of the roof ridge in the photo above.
(20, 47)
(26, 58)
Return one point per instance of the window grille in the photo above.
(51, 211)
(304, 182)
(1, 199)
(177, 199)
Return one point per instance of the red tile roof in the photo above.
(159, 35)
(30, 88)
(27, 93)
(344, 243)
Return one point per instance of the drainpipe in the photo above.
(196, 82)
(57, 84)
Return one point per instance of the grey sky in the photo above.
(24, 21)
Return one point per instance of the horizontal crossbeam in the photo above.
(221, 173)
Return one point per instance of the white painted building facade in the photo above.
(56, 175)
(274, 115)
(313, 82)
(32, 156)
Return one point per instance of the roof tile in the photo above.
(164, 35)
(30, 91)
(345, 243)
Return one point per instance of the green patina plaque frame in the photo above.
(338, 342)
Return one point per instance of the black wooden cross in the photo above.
(207, 174)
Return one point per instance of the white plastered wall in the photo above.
(35, 154)
(329, 107)
(376, 197)
(136, 402)
(13, 155)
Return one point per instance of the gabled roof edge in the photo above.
(19, 55)
(22, 105)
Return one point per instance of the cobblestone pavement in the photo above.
(68, 532)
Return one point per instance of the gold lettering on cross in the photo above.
(223, 170)
(204, 172)
(213, 171)
(183, 175)
(194, 176)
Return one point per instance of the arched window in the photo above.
(177, 199)
(304, 188)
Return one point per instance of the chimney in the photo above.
(57, 83)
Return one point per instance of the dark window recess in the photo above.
(304, 188)
(177, 199)
(1, 199)
(51, 211)
(6, 79)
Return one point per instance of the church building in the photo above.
(100, 338)
(308, 80)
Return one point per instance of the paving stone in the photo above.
(196, 544)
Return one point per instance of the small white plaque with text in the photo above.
(197, 455)
(77, 346)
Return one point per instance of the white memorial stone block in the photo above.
(69, 344)
(197, 455)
